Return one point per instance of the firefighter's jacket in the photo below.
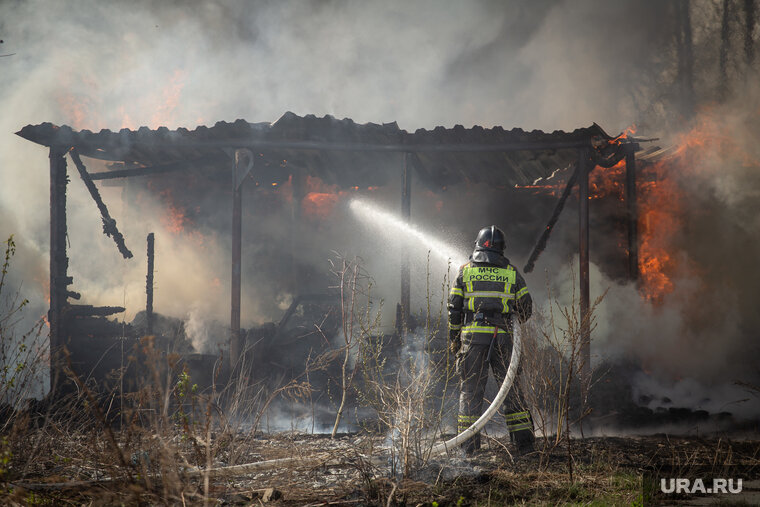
(487, 288)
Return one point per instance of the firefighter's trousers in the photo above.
(473, 375)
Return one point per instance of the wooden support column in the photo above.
(149, 287)
(632, 212)
(59, 261)
(583, 237)
(237, 243)
(406, 213)
(242, 164)
(298, 186)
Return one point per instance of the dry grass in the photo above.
(172, 444)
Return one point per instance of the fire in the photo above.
(87, 110)
(319, 204)
(627, 133)
(76, 110)
(608, 181)
(175, 219)
(660, 203)
(320, 199)
(169, 101)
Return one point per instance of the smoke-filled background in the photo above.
(680, 71)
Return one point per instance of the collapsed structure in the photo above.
(339, 152)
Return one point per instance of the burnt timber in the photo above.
(347, 153)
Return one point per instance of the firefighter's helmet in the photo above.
(490, 238)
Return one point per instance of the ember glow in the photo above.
(175, 219)
(320, 199)
(606, 182)
(659, 220)
(319, 204)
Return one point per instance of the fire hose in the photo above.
(509, 379)
(441, 448)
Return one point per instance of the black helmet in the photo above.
(491, 239)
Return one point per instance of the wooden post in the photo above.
(406, 213)
(237, 232)
(632, 213)
(242, 164)
(298, 186)
(583, 236)
(59, 261)
(149, 287)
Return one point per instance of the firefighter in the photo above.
(487, 296)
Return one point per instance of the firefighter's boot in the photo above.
(520, 426)
(471, 445)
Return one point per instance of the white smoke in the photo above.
(548, 65)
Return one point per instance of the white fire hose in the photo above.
(473, 430)
(442, 448)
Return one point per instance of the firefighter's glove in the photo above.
(455, 342)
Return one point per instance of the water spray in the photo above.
(395, 227)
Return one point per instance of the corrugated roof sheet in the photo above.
(340, 152)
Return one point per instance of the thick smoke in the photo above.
(548, 65)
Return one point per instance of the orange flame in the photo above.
(175, 219)
(659, 220)
(170, 96)
(320, 199)
(319, 204)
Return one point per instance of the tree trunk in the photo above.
(725, 47)
(685, 48)
(749, 28)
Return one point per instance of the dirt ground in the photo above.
(355, 469)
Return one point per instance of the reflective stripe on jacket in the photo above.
(493, 288)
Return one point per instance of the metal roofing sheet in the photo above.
(340, 152)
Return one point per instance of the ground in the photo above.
(73, 469)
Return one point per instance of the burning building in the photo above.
(305, 166)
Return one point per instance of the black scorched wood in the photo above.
(109, 224)
(541, 243)
(632, 212)
(584, 167)
(59, 262)
(92, 311)
(406, 213)
(149, 287)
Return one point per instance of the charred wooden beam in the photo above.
(236, 286)
(149, 287)
(583, 251)
(541, 243)
(261, 145)
(92, 311)
(73, 295)
(632, 212)
(299, 193)
(59, 262)
(398, 148)
(406, 213)
(150, 170)
(109, 224)
(242, 164)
